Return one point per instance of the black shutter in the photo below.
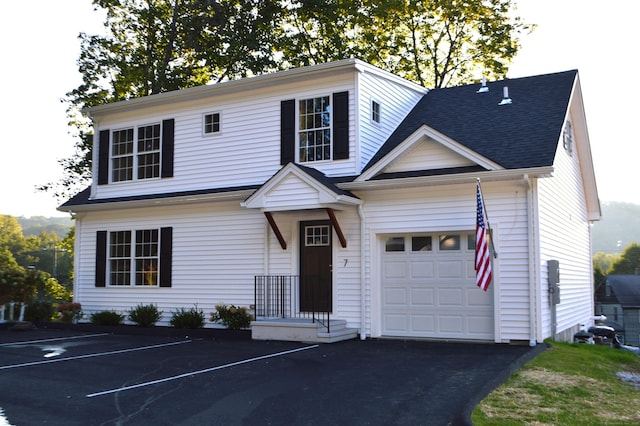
(166, 250)
(287, 131)
(341, 126)
(103, 157)
(101, 259)
(167, 148)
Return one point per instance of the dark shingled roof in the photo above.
(626, 288)
(520, 135)
(82, 198)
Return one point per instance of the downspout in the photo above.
(77, 247)
(363, 289)
(533, 311)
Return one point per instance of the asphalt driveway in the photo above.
(58, 377)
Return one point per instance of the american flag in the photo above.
(483, 256)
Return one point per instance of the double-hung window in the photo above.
(134, 257)
(135, 153)
(314, 129)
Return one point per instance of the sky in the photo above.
(40, 48)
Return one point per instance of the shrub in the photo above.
(106, 318)
(69, 311)
(39, 311)
(145, 315)
(187, 318)
(231, 316)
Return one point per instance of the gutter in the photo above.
(533, 267)
(490, 175)
(363, 288)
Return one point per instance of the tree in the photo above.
(154, 46)
(628, 263)
(436, 43)
(28, 263)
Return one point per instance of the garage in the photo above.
(429, 290)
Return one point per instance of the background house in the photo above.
(354, 186)
(618, 298)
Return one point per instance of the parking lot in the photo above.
(60, 377)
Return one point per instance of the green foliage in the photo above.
(35, 225)
(433, 43)
(39, 311)
(567, 384)
(187, 318)
(145, 315)
(107, 318)
(231, 316)
(628, 263)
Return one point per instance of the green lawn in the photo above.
(568, 384)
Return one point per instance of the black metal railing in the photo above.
(289, 296)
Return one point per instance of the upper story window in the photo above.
(135, 153)
(376, 116)
(211, 123)
(315, 129)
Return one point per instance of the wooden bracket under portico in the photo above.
(296, 188)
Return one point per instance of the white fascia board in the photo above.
(583, 149)
(230, 86)
(416, 137)
(490, 175)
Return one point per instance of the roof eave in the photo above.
(452, 179)
(160, 201)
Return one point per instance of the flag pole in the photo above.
(493, 248)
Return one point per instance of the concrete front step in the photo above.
(300, 330)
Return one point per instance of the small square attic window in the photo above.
(211, 123)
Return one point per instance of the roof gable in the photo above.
(626, 289)
(428, 150)
(295, 187)
(523, 134)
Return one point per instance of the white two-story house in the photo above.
(342, 190)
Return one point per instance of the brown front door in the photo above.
(315, 266)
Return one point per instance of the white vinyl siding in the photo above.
(217, 250)
(427, 155)
(398, 101)
(247, 153)
(452, 208)
(565, 236)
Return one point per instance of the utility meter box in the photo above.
(553, 277)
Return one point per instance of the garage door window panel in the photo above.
(449, 242)
(420, 243)
(394, 244)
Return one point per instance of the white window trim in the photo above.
(298, 130)
(135, 153)
(132, 259)
(212, 134)
(373, 122)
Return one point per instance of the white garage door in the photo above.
(429, 290)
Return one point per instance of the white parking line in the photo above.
(71, 358)
(193, 373)
(28, 342)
